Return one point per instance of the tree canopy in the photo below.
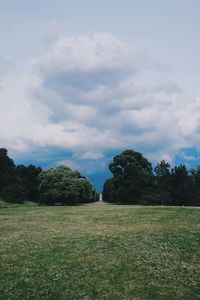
(64, 186)
(11, 188)
(59, 185)
(29, 179)
(17, 183)
(134, 182)
(132, 178)
(7, 169)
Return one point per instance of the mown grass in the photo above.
(99, 251)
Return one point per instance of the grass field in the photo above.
(99, 251)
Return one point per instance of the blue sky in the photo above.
(80, 81)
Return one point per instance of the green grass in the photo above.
(4, 204)
(99, 251)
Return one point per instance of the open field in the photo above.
(99, 251)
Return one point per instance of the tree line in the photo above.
(134, 181)
(59, 185)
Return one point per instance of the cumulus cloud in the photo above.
(6, 66)
(94, 94)
(87, 54)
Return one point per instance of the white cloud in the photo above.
(93, 94)
(69, 163)
(89, 155)
(87, 54)
(6, 66)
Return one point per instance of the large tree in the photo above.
(7, 169)
(132, 179)
(29, 179)
(11, 187)
(64, 186)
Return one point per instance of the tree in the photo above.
(162, 169)
(29, 179)
(180, 186)
(108, 189)
(14, 193)
(162, 182)
(11, 187)
(7, 169)
(64, 186)
(195, 187)
(132, 179)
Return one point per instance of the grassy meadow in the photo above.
(99, 251)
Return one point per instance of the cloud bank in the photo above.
(93, 95)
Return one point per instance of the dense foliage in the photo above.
(132, 178)
(63, 186)
(134, 182)
(29, 179)
(54, 186)
(17, 183)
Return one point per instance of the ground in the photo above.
(99, 251)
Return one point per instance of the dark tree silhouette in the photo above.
(132, 179)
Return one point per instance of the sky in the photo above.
(81, 81)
